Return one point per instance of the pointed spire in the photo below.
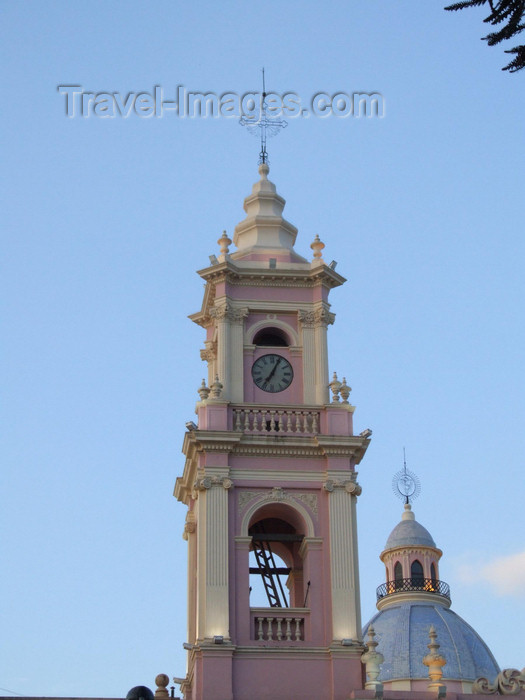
(264, 230)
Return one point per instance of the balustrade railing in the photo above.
(285, 421)
(285, 627)
(416, 583)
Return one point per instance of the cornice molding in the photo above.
(228, 271)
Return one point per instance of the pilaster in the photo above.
(222, 362)
(212, 572)
(322, 319)
(307, 321)
(346, 613)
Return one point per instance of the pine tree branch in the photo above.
(510, 12)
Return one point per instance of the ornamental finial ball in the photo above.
(264, 169)
(162, 681)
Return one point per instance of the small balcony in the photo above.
(278, 624)
(275, 421)
(416, 583)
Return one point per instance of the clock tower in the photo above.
(269, 480)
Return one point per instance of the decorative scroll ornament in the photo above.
(323, 317)
(238, 315)
(228, 313)
(189, 526)
(279, 494)
(309, 499)
(208, 481)
(209, 352)
(372, 660)
(307, 318)
(219, 312)
(317, 318)
(349, 485)
(246, 496)
(509, 682)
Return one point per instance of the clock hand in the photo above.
(273, 371)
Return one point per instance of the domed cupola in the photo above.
(411, 559)
(412, 599)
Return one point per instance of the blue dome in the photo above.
(402, 636)
(409, 532)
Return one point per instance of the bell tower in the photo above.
(269, 479)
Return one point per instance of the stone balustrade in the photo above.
(273, 420)
(278, 624)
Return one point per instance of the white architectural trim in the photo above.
(263, 500)
(273, 323)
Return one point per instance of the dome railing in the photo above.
(416, 583)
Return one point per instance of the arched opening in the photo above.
(433, 574)
(398, 575)
(416, 574)
(276, 567)
(271, 337)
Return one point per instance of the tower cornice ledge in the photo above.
(210, 440)
(344, 446)
(195, 442)
(288, 273)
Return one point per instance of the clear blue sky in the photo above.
(104, 222)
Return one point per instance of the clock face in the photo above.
(272, 373)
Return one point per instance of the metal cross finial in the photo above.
(262, 124)
(405, 483)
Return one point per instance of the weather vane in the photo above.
(405, 483)
(263, 125)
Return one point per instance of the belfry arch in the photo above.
(288, 509)
(280, 326)
(277, 533)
